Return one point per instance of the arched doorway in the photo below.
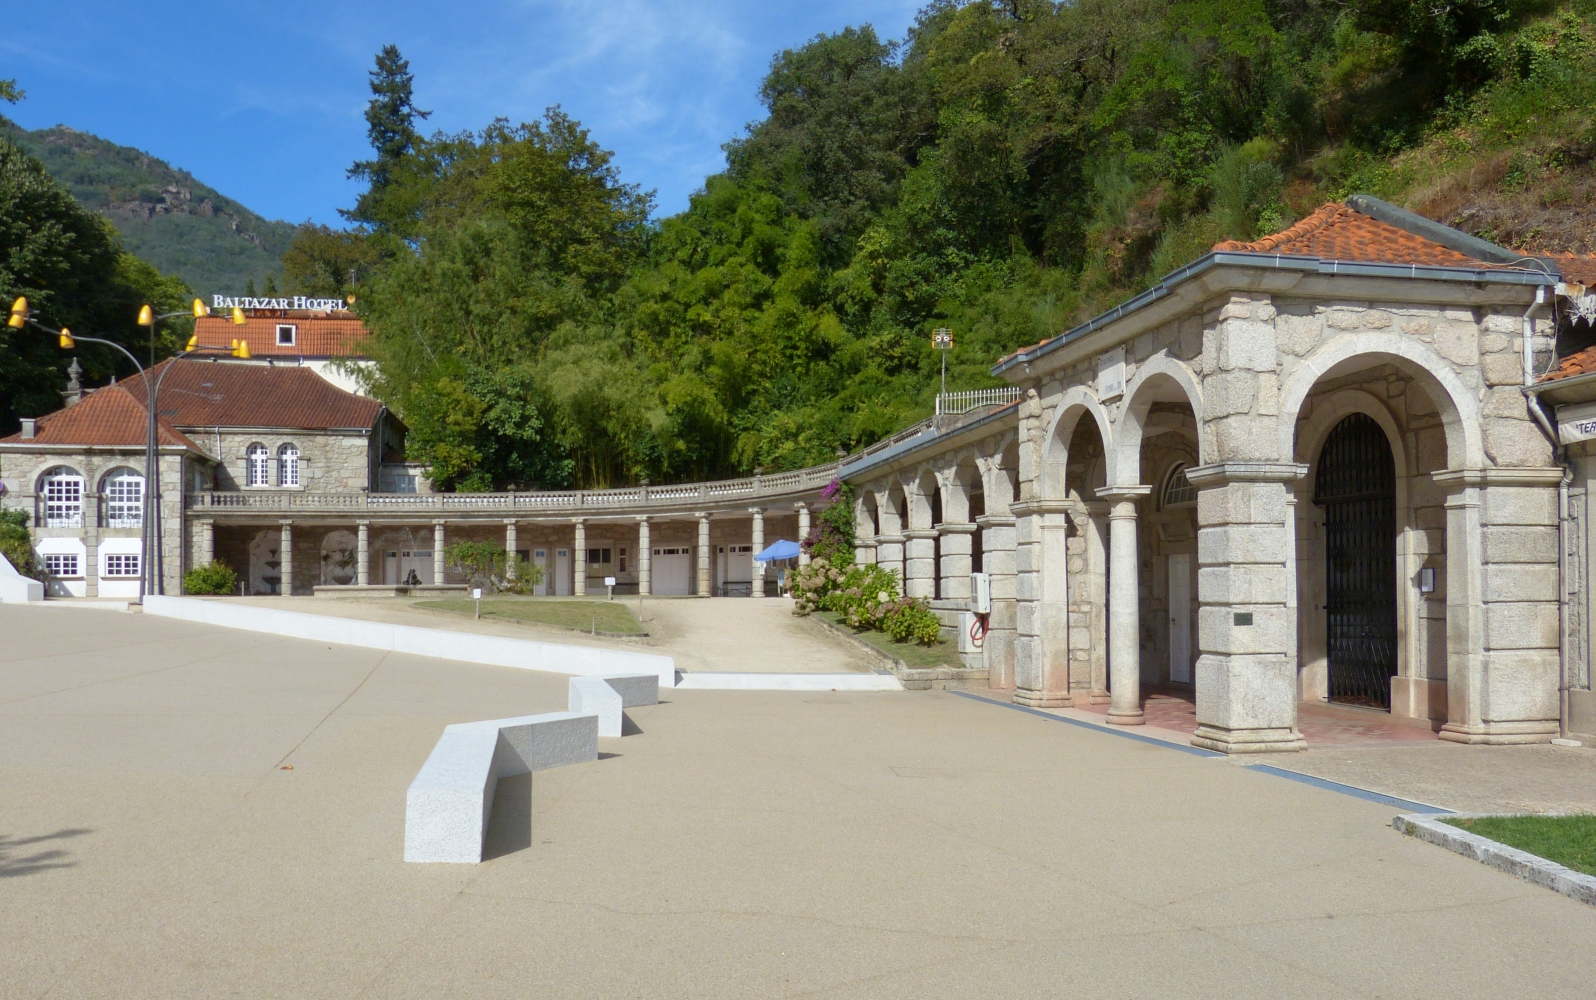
(1355, 483)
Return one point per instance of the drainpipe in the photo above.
(1533, 402)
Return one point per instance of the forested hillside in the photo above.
(165, 216)
(1006, 170)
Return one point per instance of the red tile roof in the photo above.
(316, 335)
(1579, 268)
(229, 394)
(105, 417)
(1336, 232)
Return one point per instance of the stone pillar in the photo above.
(704, 555)
(803, 533)
(363, 556)
(207, 542)
(997, 555)
(285, 559)
(509, 549)
(440, 566)
(955, 560)
(1502, 606)
(919, 562)
(1124, 606)
(757, 588)
(1246, 684)
(645, 559)
(889, 553)
(1089, 602)
(1041, 587)
(579, 560)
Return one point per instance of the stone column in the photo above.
(1041, 587)
(510, 543)
(645, 559)
(579, 560)
(997, 555)
(1089, 602)
(803, 533)
(440, 566)
(363, 556)
(757, 588)
(285, 559)
(1124, 606)
(955, 560)
(919, 562)
(207, 542)
(704, 555)
(1246, 685)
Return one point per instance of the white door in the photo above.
(737, 569)
(670, 570)
(540, 559)
(1180, 618)
(390, 568)
(417, 561)
(562, 572)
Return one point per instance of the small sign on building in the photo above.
(1576, 422)
(1111, 374)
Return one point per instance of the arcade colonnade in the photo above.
(1263, 501)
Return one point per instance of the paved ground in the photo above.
(917, 844)
(723, 634)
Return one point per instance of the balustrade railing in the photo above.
(954, 403)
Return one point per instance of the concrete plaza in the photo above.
(920, 844)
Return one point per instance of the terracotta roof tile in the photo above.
(105, 417)
(1336, 232)
(1579, 268)
(233, 394)
(316, 335)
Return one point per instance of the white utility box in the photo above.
(981, 593)
(966, 626)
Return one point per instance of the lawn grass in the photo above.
(1568, 840)
(943, 654)
(606, 616)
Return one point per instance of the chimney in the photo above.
(74, 390)
(27, 428)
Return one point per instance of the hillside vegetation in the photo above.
(1007, 170)
(164, 215)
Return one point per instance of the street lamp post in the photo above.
(148, 573)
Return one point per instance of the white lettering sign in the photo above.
(294, 302)
(1576, 423)
(1111, 374)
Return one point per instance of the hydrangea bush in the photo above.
(867, 597)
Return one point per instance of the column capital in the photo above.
(511, 521)
(1026, 508)
(642, 518)
(702, 515)
(756, 510)
(800, 506)
(439, 522)
(995, 521)
(578, 520)
(956, 528)
(363, 523)
(1220, 473)
(286, 522)
(1529, 476)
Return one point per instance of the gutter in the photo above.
(1532, 400)
(1536, 276)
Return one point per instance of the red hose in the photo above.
(980, 627)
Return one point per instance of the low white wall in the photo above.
(16, 588)
(790, 682)
(499, 651)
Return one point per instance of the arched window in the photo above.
(62, 492)
(288, 465)
(258, 466)
(1178, 490)
(124, 499)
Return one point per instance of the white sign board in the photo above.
(476, 593)
(609, 581)
(1576, 422)
(1111, 374)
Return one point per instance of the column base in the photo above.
(1135, 718)
(1279, 740)
(1500, 733)
(1098, 698)
(1043, 699)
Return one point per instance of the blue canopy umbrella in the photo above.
(781, 549)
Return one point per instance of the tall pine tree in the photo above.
(391, 118)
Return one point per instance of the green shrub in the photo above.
(812, 583)
(212, 578)
(17, 545)
(911, 620)
(527, 576)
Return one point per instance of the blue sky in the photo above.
(264, 101)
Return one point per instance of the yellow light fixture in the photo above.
(239, 319)
(19, 313)
(243, 350)
(201, 310)
(193, 343)
(67, 343)
(146, 316)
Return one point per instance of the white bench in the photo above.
(448, 804)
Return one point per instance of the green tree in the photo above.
(327, 262)
(391, 118)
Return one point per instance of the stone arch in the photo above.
(1158, 376)
(1076, 402)
(1459, 408)
(1331, 410)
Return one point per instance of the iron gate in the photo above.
(1356, 486)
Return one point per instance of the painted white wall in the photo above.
(122, 586)
(58, 587)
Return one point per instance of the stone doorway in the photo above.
(1356, 486)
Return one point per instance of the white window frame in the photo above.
(121, 565)
(62, 492)
(293, 334)
(288, 465)
(124, 499)
(1178, 491)
(257, 465)
(63, 565)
